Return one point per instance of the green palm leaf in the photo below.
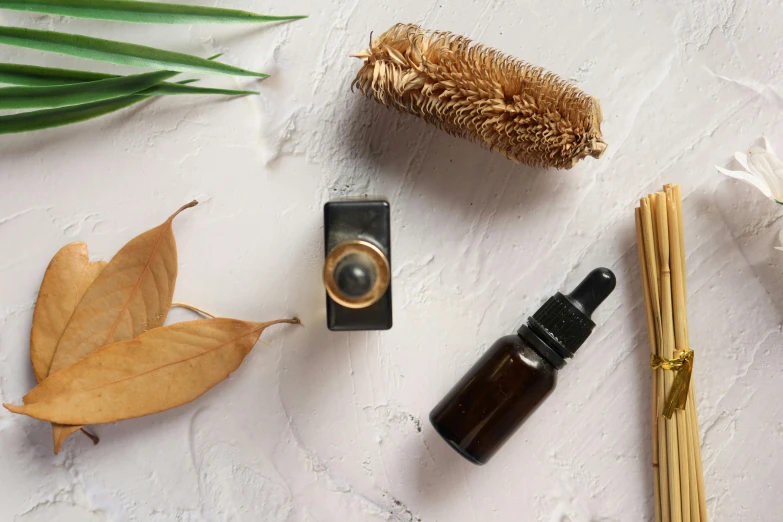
(169, 89)
(35, 76)
(40, 76)
(48, 118)
(74, 94)
(115, 52)
(141, 12)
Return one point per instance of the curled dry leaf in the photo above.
(65, 281)
(159, 370)
(130, 296)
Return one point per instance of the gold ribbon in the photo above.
(678, 395)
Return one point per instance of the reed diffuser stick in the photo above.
(648, 307)
(687, 476)
(674, 194)
(667, 338)
(694, 421)
(653, 285)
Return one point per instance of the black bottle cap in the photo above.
(563, 324)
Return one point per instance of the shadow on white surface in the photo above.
(443, 170)
(755, 223)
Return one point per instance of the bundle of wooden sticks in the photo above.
(677, 465)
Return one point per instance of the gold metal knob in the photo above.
(356, 274)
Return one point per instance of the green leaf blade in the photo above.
(49, 118)
(116, 52)
(35, 76)
(75, 94)
(169, 89)
(142, 12)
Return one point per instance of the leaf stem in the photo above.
(193, 309)
(94, 438)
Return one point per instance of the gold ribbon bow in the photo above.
(678, 395)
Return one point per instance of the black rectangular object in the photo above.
(368, 220)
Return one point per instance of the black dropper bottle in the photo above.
(518, 372)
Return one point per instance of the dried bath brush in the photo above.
(530, 115)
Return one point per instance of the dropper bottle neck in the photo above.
(563, 324)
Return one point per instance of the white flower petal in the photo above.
(768, 146)
(742, 159)
(748, 178)
(769, 167)
(773, 160)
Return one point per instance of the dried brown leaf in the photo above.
(68, 276)
(65, 281)
(61, 432)
(159, 370)
(130, 296)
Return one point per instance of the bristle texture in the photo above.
(530, 115)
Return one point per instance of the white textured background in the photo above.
(321, 427)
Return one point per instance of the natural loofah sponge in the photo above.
(530, 115)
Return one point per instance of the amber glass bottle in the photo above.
(518, 372)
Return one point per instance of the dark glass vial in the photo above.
(518, 372)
